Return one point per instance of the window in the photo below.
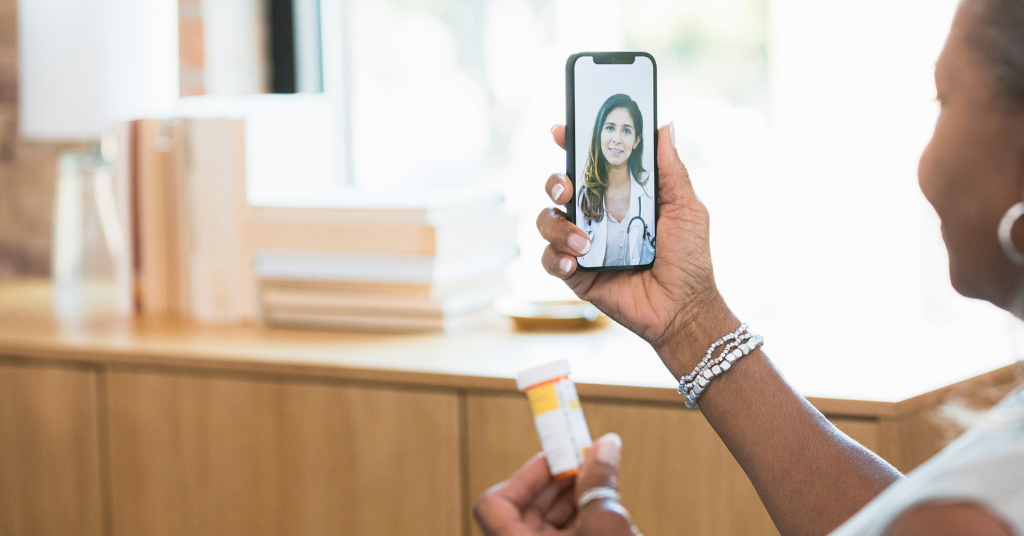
(458, 92)
(801, 123)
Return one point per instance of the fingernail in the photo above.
(608, 448)
(565, 265)
(579, 243)
(557, 191)
(553, 127)
(672, 132)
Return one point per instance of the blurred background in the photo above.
(181, 178)
(801, 123)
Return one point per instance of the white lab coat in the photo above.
(640, 251)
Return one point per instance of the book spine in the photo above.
(152, 219)
(221, 285)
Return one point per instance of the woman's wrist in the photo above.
(693, 331)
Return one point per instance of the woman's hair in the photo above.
(997, 33)
(595, 174)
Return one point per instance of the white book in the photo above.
(220, 283)
(367, 206)
(311, 300)
(389, 323)
(338, 230)
(320, 266)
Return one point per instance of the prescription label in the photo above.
(560, 424)
(543, 398)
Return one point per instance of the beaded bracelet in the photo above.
(704, 373)
(729, 348)
(719, 342)
(695, 383)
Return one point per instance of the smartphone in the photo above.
(611, 106)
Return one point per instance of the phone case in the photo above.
(570, 141)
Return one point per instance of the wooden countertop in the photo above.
(609, 362)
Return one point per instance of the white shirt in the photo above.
(984, 466)
(639, 249)
(615, 248)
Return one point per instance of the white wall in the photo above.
(84, 65)
(852, 250)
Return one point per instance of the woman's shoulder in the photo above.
(644, 184)
(985, 467)
(948, 519)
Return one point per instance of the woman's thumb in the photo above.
(673, 178)
(601, 467)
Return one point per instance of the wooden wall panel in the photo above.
(49, 452)
(864, 431)
(910, 439)
(500, 438)
(215, 456)
(675, 471)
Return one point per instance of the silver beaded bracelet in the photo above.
(695, 383)
(707, 355)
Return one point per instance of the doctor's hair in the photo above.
(997, 34)
(595, 174)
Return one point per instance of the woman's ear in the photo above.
(636, 142)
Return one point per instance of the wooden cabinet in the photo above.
(172, 451)
(242, 456)
(675, 471)
(50, 481)
(158, 426)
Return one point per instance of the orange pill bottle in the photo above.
(557, 415)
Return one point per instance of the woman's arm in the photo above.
(810, 476)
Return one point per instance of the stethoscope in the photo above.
(645, 233)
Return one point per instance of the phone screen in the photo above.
(613, 121)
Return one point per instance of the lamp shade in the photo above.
(85, 65)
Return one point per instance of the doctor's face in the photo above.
(618, 137)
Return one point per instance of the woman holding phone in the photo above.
(812, 478)
(614, 204)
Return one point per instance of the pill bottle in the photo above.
(558, 416)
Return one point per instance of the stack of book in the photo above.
(379, 262)
(190, 224)
(345, 259)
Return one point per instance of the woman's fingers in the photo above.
(522, 487)
(600, 468)
(564, 236)
(566, 242)
(549, 494)
(559, 188)
(673, 179)
(502, 506)
(558, 133)
(557, 263)
(563, 509)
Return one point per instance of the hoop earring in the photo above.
(1005, 228)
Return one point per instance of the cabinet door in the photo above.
(225, 456)
(676, 477)
(49, 452)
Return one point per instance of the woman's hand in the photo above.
(662, 304)
(530, 503)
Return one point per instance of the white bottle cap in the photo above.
(530, 377)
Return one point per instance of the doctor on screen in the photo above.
(615, 206)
